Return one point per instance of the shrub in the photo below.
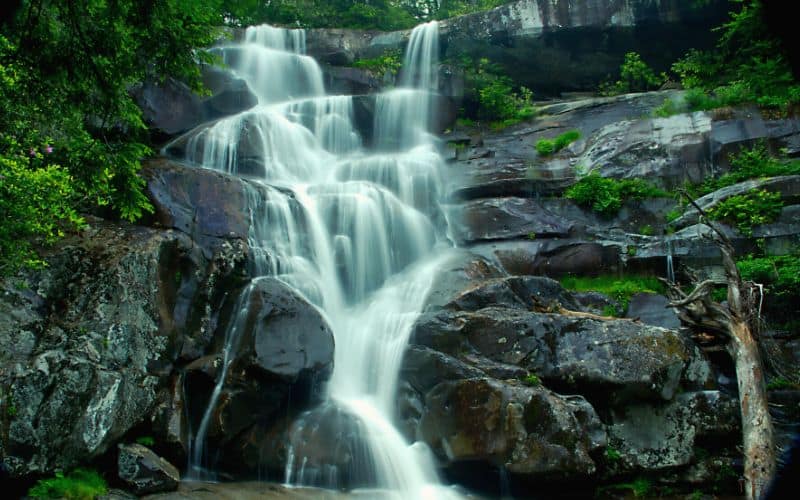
(605, 196)
(748, 210)
(80, 484)
(388, 62)
(494, 93)
(635, 76)
(547, 147)
(532, 380)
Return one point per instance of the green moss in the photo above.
(146, 441)
(547, 147)
(532, 380)
(620, 289)
(639, 487)
(612, 454)
(780, 383)
(80, 484)
(647, 230)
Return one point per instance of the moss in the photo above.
(547, 147)
(620, 289)
(80, 484)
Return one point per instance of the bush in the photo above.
(748, 65)
(635, 76)
(388, 62)
(494, 93)
(748, 210)
(80, 484)
(605, 196)
(547, 147)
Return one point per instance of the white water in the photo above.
(354, 230)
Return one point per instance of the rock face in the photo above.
(100, 328)
(485, 360)
(550, 46)
(144, 471)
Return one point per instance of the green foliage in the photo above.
(612, 454)
(547, 147)
(80, 484)
(605, 196)
(494, 93)
(71, 135)
(752, 163)
(532, 380)
(782, 383)
(748, 65)
(647, 230)
(780, 275)
(635, 76)
(146, 441)
(620, 289)
(748, 210)
(640, 487)
(388, 62)
(666, 109)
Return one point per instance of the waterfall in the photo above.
(357, 231)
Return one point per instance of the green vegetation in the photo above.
(748, 210)
(612, 454)
(621, 289)
(388, 62)
(647, 230)
(547, 147)
(71, 136)
(606, 196)
(361, 14)
(639, 487)
(80, 484)
(751, 163)
(782, 383)
(146, 441)
(635, 76)
(493, 92)
(532, 380)
(666, 109)
(747, 65)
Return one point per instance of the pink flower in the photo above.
(48, 148)
(32, 153)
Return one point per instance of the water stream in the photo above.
(356, 229)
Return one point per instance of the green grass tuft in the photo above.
(620, 289)
(80, 484)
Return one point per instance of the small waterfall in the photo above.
(359, 233)
(670, 268)
(232, 335)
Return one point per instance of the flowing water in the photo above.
(354, 228)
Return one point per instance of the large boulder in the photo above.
(527, 430)
(281, 352)
(98, 331)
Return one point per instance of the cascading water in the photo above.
(357, 232)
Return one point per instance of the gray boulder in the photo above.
(144, 471)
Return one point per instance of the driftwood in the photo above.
(737, 323)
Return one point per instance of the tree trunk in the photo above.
(759, 453)
(737, 321)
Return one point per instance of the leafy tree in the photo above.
(748, 65)
(71, 136)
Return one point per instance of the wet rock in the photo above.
(656, 437)
(529, 430)
(285, 336)
(169, 108)
(666, 151)
(174, 190)
(144, 471)
(652, 309)
(114, 309)
(628, 360)
(505, 218)
(197, 490)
